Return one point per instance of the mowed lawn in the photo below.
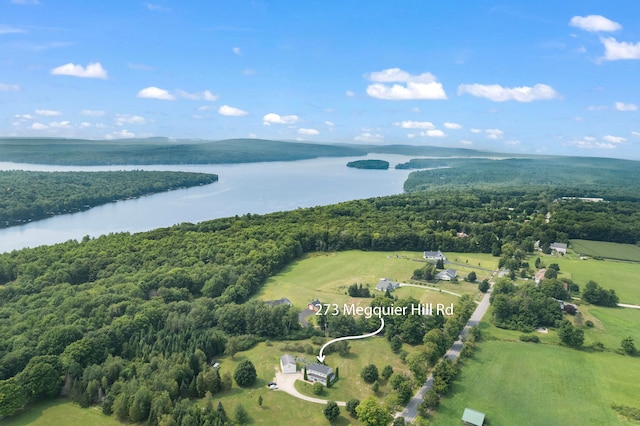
(327, 276)
(60, 412)
(611, 325)
(518, 383)
(620, 276)
(606, 250)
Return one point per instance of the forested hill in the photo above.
(164, 151)
(580, 176)
(27, 196)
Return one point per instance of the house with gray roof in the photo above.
(558, 248)
(288, 364)
(283, 301)
(434, 255)
(319, 373)
(386, 284)
(447, 274)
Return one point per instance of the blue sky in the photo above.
(543, 77)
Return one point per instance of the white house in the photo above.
(559, 248)
(288, 364)
(319, 373)
(447, 274)
(434, 255)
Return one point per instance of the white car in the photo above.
(273, 386)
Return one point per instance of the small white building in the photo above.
(559, 248)
(434, 255)
(447, 274)
(288, 364)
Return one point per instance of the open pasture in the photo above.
(606, 250)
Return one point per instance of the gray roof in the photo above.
(434, 254)
(287, 359)
(386, 284)
(558, 245)
(283, 301)
(320, 368)
(452, 273)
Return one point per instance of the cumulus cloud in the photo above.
(48, 112)
(433, 133)
(273, 118)
(589, 143)
(122, 119)
(452, 126)
(615, 50)
(405, 87)
(349, 93)
(153, 92)
(122, 134)
(309, 132)
(494, 133)
(60, 124)
(85, 124)
(497, 93)
(157, 7)
(512, 143)
(614, 139)
(236, 50)
(415, 124)
(196, 96)
(92, 113)
(466, 142)
(476, 131)
(369, 137)
(620, 106)
(594, 23)
(230, 111)
(93, 70)
(635, 133)
(329, 123)
(39, 126)
(9, 87)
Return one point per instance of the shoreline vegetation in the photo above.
(369, 164)
(27, 196)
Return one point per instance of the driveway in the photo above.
(286, 384)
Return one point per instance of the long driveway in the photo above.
(410, 412)
(286, 383)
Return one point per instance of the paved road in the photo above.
(286, 384)
(626, 305)
(410, 412)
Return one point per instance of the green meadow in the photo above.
(606, 250)
(516, 383)
(60, 412)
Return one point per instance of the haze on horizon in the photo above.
(541, 78)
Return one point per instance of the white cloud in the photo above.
(411, 135)
(205, 108)
(415, 124)
(5, 29)
(615, 50)
(122, 134)
(39, 126)
(494, 133)
(415, 109)
(25, 1)
(23, 117)
(157, 7)
(309, 132)
(273, 118)
(122, 119)
(93, 70)
(422, 86)
(60, 124)
(153, 92)
(208, 96)
(620, 106)
(249, 71)
(594, 23)
(582, 49)
(369, 137)
(512, 143)
(85, 124)
(476, 131)
(597, 107)
(497, 93)
(350, 94)
(452, 126)
(465, 142)
(236, 50)
(92, 113)
(588, 143)
(614, 139)
(230, 111)
(48, 112)
(635, 133)
(433, 133)
(329, 123)
(9, 87)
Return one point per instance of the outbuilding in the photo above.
(472, 417)
(288, 364)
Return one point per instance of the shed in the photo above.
(288, 364)
(472, 417)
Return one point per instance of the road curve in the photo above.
(286, 384)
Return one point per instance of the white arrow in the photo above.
(364, 336)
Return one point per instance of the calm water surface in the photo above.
(241, 188)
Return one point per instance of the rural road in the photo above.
(429, 288)
(626, 305)
(410, 412)
(286, 383)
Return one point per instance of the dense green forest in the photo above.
(137, 319)
(164, 151)
(580, 176)
(369, 164)
(26, 196)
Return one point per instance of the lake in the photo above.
(242, 188)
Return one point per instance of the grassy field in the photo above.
(620, 276)
(612, 325)
(517, 383)
(60, 412)
(606, 250)
(326, 276)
